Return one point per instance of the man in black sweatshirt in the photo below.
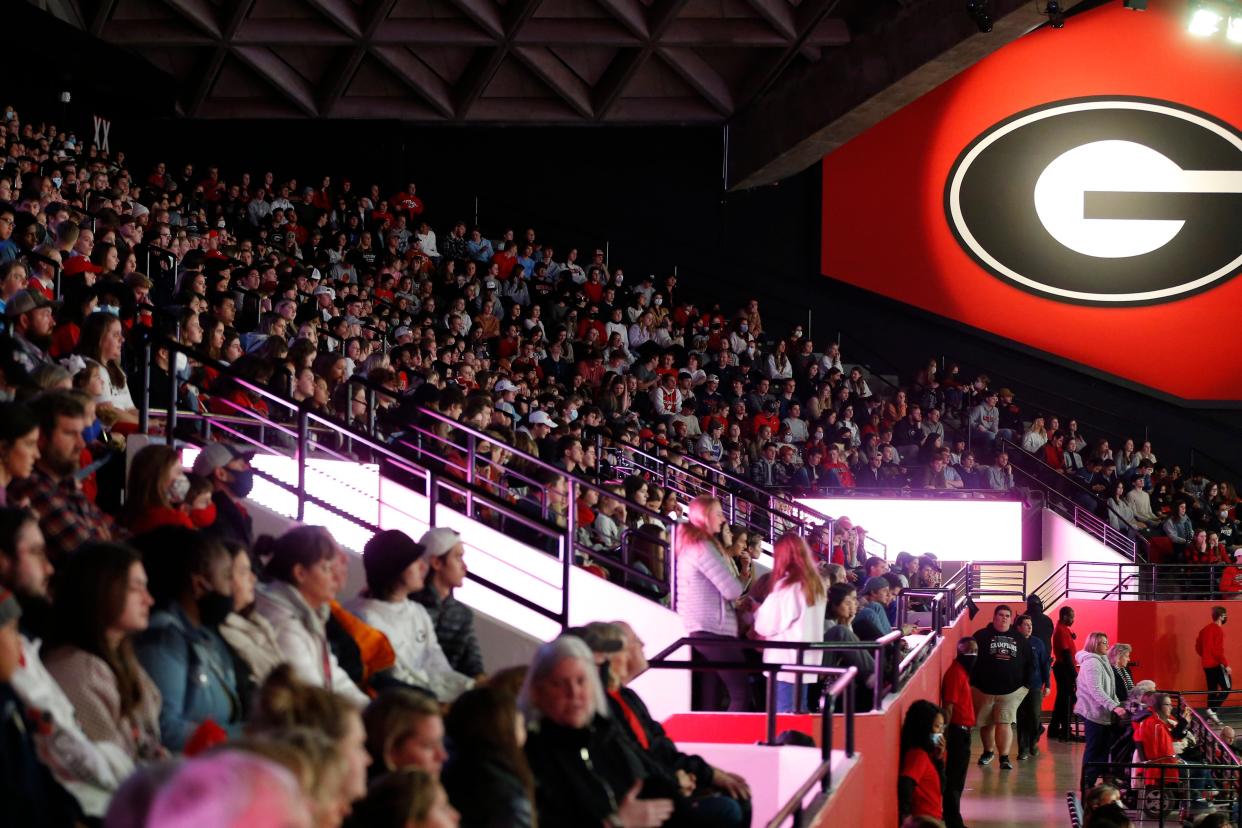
(998, 684)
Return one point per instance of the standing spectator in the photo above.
(66, 516)
(1042, 624)
(101, 603)
(1065, 672)
(1038, 686)
(959, 713)
(793, 611)
(706, 590)
(920, 783)
(1210, 645)
(999, 682)
(1097, 702)
(454, 621)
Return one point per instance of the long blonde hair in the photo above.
(793, 565)
(694, 529)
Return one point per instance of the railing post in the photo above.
(879, 679)
(471, 445)
(570, 545)
(770, 675)
(826, 748)
(303, 440)
(170, 422)
(849, 719)
(144, 401)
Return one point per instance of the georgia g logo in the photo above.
(1117, 201)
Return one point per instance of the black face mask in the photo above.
(213, 608)
(242, 483)
(967, 661)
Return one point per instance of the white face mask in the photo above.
(179, 489)
(937, 739)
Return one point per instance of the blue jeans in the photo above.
(786, 695)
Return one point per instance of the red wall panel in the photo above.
(884, 217)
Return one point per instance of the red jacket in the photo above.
(1157, 744)
(1210, 645)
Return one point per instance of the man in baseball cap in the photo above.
(228, 469)
(29, 318)
(454, 621)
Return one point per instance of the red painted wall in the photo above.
(884, 223)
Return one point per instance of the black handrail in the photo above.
(1135, 581)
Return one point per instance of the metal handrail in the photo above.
(843, 687)
(392, 455)
(1134, 581)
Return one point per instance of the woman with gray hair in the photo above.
(1119, 658)
(585, 774)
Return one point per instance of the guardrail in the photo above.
(1137, 582)
(1075, 502)
(292, 425)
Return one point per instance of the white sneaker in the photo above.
(1212, 715)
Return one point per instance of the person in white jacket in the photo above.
(296, 601)
(91, 771)
(793, 611)
(1097, 701)
(396, 567)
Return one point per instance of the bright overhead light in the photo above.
(1205, 22)
(1234, 31)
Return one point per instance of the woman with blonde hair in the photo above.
(706, 590)
(1097, 702)
(794, 612)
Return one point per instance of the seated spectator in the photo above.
(101, 604)
(454, 621)
(301, 583)
(285, 703)
(156, 491)
(181, 649)
(19, 445)
(407, 799)
(67, 518)
(792, 612)
(395, 567)
(28, 318)
(228, 470)
(102, 340)
(90, 770)
(230, 789)
(871, 622)
(404, 730)
(31, 795)
(487, 776)
(564, 729)
(1000, 473)
(250, 636)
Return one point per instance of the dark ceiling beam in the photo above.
(631, 13)
(211, 66)
(552, 71)
(365, 24)
(545, 31)
(809, 15)
(797, 121)
(415, 74)
(483, 67)
(439, 32)
(341, 12)
(626, 64)
(279, 74)
(705, 80)
(153, 33)
(485, 15)
(102, 12)
(199, 12)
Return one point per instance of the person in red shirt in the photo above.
(408, 202)
(959, 712)
(1066, 675)
(922, 762)
(1210, 645)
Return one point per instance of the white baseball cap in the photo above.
(541, 418)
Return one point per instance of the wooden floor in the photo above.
(1032, 795)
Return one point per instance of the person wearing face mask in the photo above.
(959, 713)
(921, 779)
(181, 649)
(231, 477)
(157, 487)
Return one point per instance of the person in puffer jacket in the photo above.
(1097, 701)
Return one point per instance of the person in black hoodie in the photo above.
(998, 684)
(487, 776)
(1041, 622)
(30, 794)
(585, 775)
